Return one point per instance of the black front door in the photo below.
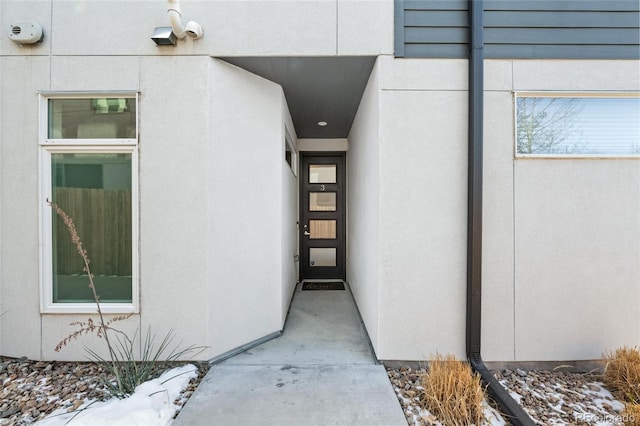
(322, 216)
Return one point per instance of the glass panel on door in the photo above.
(322, 201)
(322, 173)
(322, 256)
(322, 216)
(322, 229)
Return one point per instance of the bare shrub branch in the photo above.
(122, 362)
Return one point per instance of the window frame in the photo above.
(566, 94)
(46, 148)
(290, 146)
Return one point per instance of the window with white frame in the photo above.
(290, 153)
(577, 125)
(88, 166)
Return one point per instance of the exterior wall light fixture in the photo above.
(164, 36)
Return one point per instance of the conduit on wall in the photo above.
(191, 29)
(509, 407)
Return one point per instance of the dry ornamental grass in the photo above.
(452, 392)
(631, 415)
(622, 376)
(622, 373)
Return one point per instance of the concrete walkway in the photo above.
(321, 371)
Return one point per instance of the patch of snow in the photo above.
(516, 396)
(492, 416)
(425, 416)
(151, 404)
(613, 403)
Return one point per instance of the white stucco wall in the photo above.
(577, 269)
(363, 207)
(1, 89)
(172, 250)
(561, 269)
(246, 231)
(231, 27)
(174, 121)
(497, 236)
(102, 46)
(289, 218)
(561, 261)
(211, 169)
(423, 161)
(19, 302)
(407, 207)
(218, 204)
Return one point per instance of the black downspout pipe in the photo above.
(508, 406)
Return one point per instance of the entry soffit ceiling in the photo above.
(316, 88)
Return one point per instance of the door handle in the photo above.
(307, 233)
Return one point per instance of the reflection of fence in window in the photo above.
(103, 219)
(578, 126)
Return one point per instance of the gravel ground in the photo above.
(557, 397)
(549, 397)
(32, 389)
(406, 384)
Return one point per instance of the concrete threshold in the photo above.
(321, 371)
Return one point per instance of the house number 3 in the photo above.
(321, 187)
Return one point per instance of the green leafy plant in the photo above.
(130, 372)
(122, 363)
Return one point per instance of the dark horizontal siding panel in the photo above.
(435, 5)
(560, 5)
(436, 18)
(521, 29)
(452, 51)
(537, 19)
(577, 36)
(436, 35)
(506, 51)
(398, 28)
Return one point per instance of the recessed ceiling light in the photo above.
(322, 123)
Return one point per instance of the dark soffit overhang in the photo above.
(325, 88)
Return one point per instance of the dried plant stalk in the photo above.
(122, 361)
(88, 327)
(631, 415)
(622, 373)
(452, 392)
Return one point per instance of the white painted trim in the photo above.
(83, 94)
(289, 141)
(328, 145)
(577, 94)
(46, 215)
(566, 94)
(49, 146)
(577, 156)
(84, 142)
(44, 124)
